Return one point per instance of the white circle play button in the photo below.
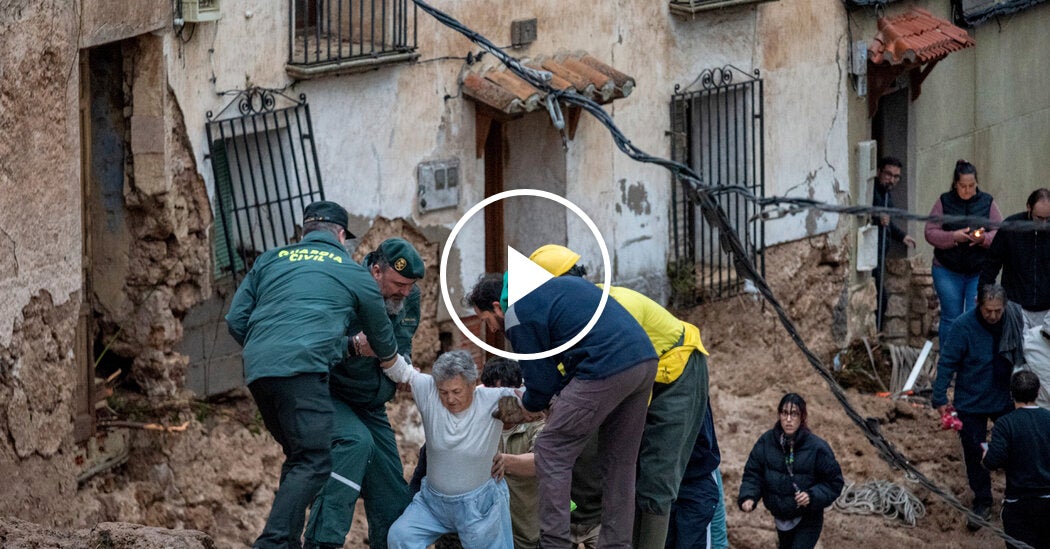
(524, 276)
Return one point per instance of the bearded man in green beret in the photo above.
(365, 459)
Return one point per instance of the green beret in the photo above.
(403, 257)
(327, 212)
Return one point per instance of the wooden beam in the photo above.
(572, 120)
(482, 124)
(918, 76)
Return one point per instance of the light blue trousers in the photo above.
(481, 517)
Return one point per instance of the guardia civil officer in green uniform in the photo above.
(365, 460)
(294, 314)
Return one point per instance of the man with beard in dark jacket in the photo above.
(889, 176)
(1023, 254)
(365, 460)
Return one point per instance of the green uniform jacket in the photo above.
(293, 310)
(359, 380)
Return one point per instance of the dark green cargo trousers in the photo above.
(365, 463)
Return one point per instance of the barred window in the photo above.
(264, 162)
(718, 131)
(333, 36)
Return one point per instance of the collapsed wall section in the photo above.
(166, 267)
(37, 383)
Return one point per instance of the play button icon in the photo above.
(523, 276)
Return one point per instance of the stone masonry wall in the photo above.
(912, 311)
(37, 376)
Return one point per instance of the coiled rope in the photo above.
(881, 497)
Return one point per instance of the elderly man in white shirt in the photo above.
(459, 494)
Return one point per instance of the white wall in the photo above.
(373, 129)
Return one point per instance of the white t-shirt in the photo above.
(460, 447)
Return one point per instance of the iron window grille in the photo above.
(322, 32)
(693, 7)
(718, 131)
(264, 161)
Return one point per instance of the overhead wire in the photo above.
(730, 241)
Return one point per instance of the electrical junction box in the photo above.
(200, 11)
(867, 165)
(860, 58)
(438, 184)
(859, 68)
(522, 32)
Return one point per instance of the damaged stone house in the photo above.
(152, 149)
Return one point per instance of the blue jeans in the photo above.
(719, 537)
(957, 293)
(481, 517)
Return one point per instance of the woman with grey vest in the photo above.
(960, 248)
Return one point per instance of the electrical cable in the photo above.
(730, 241)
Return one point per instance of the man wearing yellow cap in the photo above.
(679, 399)
(365, 459)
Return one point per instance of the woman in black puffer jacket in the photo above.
(796, 475)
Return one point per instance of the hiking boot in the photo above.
(982, 510)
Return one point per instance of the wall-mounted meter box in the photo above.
(438, 184)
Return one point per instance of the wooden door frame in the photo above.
(84, 414)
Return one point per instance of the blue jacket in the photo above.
(968, 354)
(556, 312)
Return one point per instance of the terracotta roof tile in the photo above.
(579, 72)
(916, 36)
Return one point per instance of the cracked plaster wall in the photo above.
(40, 255)
(41, 245)
(807, 154)
(39, 157)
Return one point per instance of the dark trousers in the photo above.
(365, 464)
(975, 431)
(615, 407)
(692, 512)
(883, 295)
(804, 535)
(1026, 520)
(298, 413)
(676, 411)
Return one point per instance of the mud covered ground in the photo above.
(219, 475)
(748, 377)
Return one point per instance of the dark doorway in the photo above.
(889, 128)
(103, 131)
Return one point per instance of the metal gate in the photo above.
(264, 161)
(718, 131)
